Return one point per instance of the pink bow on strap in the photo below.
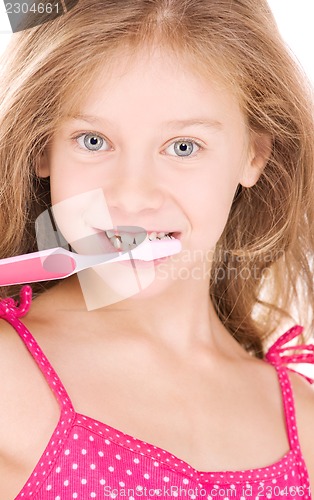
(275, 355)
(10, 307)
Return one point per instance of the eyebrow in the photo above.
(200, 121)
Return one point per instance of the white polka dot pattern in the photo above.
(87, 459)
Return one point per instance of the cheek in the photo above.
(63, 181)
(64, 184)
(210, 204)
(77, 217)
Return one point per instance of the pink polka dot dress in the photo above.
(86, 459)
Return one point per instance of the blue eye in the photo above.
(92, 142)
(184, 147)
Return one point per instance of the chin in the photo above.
(108, 284)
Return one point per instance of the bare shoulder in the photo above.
(13, 387)
(8, 354)
(15, 376)
(304, 404)
(22, 383)
(26, 403)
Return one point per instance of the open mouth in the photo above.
(125, 241)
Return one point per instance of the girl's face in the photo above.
(167, 148)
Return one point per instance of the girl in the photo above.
(190, 117)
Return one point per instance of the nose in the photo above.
(134, 190)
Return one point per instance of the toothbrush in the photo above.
(58, 263)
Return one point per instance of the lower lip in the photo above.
(142, 264)
(160, 261)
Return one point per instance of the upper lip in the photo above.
(166, 231)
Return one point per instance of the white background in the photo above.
(294, 17)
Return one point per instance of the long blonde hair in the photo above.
(270, 226)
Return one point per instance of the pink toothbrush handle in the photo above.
(30, 267)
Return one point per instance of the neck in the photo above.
(181, 318)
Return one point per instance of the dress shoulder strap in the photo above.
(278, 357)
(11, 312)
(303, 353)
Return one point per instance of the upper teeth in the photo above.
(124, 240)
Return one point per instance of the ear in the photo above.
(258, 156)
(42, 165)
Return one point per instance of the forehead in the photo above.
(155, 85)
